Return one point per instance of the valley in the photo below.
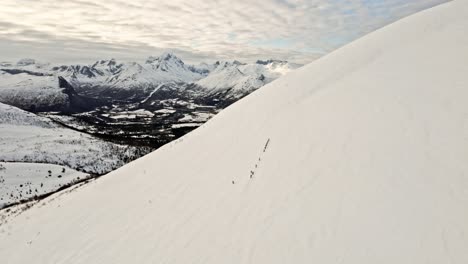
(138, 124)
(95, 118)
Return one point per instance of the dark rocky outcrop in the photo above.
(78, 103)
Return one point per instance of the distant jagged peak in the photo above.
(236, 62)
(110, 62)
(111, 66)
(166, 61)
(151, 59)
(97, 69)
(167, 55)
(134, 65)
(61, 68)
(203, 68)
(6, 64)
(270, 61)
(164, 57)
(225, 64)
(25, 62)
(106, 61)
(68, 88)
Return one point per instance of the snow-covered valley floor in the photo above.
(23, 181)
(26, 138)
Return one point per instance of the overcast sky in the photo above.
(196, 30)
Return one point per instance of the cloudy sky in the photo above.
(196, 30)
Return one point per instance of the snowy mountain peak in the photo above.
(168, 55)
(165, 59)
(151, 59)
(5, 64)
(242, 77)
(25, 62)
(165, 63)
(106, 63)
(219, 65)
(203, 68)
(238, 63)
(103, 63)
(270, 61)
(168, 66)
(111, 62)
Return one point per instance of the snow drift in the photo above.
(360, 157)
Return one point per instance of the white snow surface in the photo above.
(19, 180)
(26, 90)
(26, 137)
(196, 117)
(244, 77)
(360, 157)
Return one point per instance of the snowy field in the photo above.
(33, 144)
(26, 90)
(26, 137)
(21, 181)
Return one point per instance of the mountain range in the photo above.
(46, 87)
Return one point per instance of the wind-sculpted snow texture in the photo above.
(367, 162)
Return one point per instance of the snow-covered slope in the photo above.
(26, 137)
(21, 181)
(30, 91)
(170, 68)
(242, 78)
(360, 157)
(27, 140)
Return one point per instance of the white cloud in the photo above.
(298, 30)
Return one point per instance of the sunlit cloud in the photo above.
(295, 30)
